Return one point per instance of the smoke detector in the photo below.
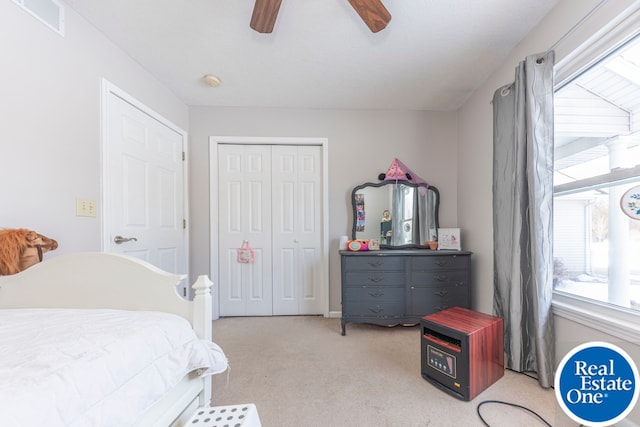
(211, 80)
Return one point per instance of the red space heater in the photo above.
(462, 351)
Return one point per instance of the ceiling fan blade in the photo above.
(264, 15)
(373, 13)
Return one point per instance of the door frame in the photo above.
(214, 141)
(108, 89)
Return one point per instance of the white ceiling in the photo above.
(432, 55)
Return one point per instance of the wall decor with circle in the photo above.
(630, 202)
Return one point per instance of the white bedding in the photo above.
(86, 368)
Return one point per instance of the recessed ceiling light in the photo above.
(211, 80)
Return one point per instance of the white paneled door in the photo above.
(297, 229)
(270, 195)
(244, 191)
(144, 210)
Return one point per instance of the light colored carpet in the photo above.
(301, 372)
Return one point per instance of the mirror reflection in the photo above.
(397, 213)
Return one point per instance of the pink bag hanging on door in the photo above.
(245, 253)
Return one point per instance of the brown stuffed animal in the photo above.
(21, 248)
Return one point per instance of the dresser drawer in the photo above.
(371, 278)
(430, 300)
(377, 263)
(439, 278)
(379, 309)
(371, 294)
(439, 262)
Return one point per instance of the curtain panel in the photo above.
(522, 212)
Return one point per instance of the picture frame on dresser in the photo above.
(449, 239)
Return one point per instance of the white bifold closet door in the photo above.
(270, 195)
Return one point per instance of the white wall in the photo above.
(362, 144)
(475, 132)
(50, 126)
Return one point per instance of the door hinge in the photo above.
(184, 224)
(183, 156)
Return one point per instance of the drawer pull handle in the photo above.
(440, 263)
(376, 279)
(375, 263)
(442, 292)
(376, 294)
(377, 309)
(441, 278)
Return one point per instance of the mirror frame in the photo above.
(382, 184)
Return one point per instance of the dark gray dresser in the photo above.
(391, 287)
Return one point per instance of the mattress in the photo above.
(61, 367)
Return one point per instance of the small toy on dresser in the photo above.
(363, 245)
(21, 248)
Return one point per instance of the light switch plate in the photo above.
(85, 207)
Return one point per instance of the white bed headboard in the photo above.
(104, 280)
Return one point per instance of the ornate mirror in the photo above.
(400, 214)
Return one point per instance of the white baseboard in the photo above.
(333, 314)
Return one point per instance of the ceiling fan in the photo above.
(372, 12)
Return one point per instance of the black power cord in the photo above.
(510, 404)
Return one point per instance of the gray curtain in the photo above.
(522, 212)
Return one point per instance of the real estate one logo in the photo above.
(596, 384)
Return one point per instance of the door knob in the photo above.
(118, 240)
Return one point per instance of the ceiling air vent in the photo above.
(49, 12)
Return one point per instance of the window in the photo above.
(597, 181)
